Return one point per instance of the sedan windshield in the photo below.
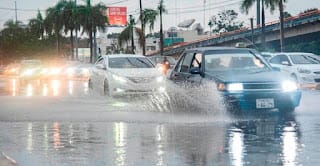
(130, 62)
(304, 59)
(234, 62)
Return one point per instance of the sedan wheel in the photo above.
(106, 88)
(90, 84)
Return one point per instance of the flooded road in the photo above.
(65, 123)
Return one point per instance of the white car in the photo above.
(267, 55)
(303, 67)
(126, 74)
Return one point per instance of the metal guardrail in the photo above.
(290, 22)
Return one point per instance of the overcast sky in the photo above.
(178, 10)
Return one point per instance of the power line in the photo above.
(197, 10)
(201, 6)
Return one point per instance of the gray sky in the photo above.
(178, 10)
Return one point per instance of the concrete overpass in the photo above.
(300, 25)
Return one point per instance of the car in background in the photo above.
(241, 76)
(163, 63)
(12, 69)
(303, 67)
(2, 69)
(122, 74)
(267, 55)
(52, 70)
(160, 59)
(78, 72)
(30, 70)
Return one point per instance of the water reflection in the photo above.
(263, 140)
(271, 140)
(120, 139)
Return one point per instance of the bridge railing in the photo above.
(270, 26)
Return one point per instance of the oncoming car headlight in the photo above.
(305, 71)
(288, 86)
(119, 78)
(28, 72)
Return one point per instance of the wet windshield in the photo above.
(304, 59)
(234, 62)
(130, 62)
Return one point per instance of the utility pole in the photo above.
(132, 39)
(204, 13)
(251, 23)
(161, 28)
(263, 37)
(258, 12)
(77, 42)
(281, 26)
(142, 29)
(15, 9)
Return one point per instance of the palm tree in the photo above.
(53, 22)
(161, 9)
(272, 4)
(68, 15)
(99, 21)
(92, 18)
(37, 26)
(149, 17)
(128, 33)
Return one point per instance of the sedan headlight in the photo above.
(305, 71)
(159, 79)
(289, 86)
(119, 78)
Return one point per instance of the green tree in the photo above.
(54, 22)
(91, 19)
(226, 21)
(272, 5)
(70, 17)
(36, 26)
(128, 34)
(286, 15)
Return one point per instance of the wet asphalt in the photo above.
(63, 122)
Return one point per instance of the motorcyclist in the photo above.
(165, 65)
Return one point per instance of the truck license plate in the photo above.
(264, 103)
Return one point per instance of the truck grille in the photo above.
(261, 86)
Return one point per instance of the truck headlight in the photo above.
(289, 86)
(235, 87)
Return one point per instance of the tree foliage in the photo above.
(226, 21)
(46, 33)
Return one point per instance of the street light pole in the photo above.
(77, 42)
(251, 23)
(15, 8)
(132, 39)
